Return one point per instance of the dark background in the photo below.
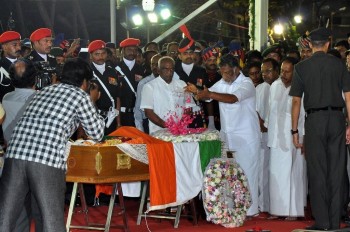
(90, 19)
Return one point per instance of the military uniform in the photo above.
(35, 57)
(322, 79)
(127, 96)
(110, 80)
(5, 86)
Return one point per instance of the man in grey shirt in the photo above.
(23, 79)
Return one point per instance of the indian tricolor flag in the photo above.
(176, 169)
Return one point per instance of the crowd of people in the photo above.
(263, 104)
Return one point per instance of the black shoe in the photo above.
(314, 227)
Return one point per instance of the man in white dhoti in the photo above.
(270, 72)
(287, 178)
(239, 120)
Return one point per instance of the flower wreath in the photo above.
(226, 197)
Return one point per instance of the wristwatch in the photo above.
(294, 131)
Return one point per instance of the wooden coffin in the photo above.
(103, 164)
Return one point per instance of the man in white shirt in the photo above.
(239, 120)
(287, 172)
(163, 96)
(270, 72)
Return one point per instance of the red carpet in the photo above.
(98, 215)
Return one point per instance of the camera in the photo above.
(45, 73)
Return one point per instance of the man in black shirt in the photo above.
(322, 80)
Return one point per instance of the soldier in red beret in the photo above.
(41, 40)
(11, 45)
(108, 82)
(132, 74)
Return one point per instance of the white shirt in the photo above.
(239, 121)
(163, 98)
(262, 99)
(100, 67)
(129, 63)
(279, 119)
(187, 68)
(44, 56)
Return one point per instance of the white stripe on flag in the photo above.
(189, 177)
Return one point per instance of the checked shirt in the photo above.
(49, 121)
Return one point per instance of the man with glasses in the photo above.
(172, 50)
(270, 73)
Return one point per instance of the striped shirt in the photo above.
(49, 121)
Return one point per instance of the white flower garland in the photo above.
(226, 197)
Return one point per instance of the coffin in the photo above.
(103, 164)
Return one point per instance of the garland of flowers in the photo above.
(226, 197)
(252, 23)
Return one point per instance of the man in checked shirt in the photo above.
(35, 157)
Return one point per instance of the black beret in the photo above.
(273, 48)
(320, 34)
(186, 44)
(110, 45)
(56, 51)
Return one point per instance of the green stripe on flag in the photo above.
(209, 150)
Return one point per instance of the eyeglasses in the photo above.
(173, 52)
(168, 69)
(254, 73)
(268, 71)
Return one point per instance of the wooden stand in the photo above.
(101, 165)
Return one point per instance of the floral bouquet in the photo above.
(178, 124)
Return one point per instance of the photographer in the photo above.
(36, 155)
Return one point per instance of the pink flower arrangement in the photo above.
(178, 124)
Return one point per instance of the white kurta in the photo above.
(287, 164)
(240, 129)
(262, 107)
(163, 98)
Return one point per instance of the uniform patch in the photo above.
(138, 77)
(112, 81)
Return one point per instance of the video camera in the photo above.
(45, 73)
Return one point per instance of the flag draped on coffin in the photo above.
(175, 168)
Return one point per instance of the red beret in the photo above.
(40, 33)
(8, 36)
(96, 45)
(129, 42)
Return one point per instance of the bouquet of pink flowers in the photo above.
(178, 124)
